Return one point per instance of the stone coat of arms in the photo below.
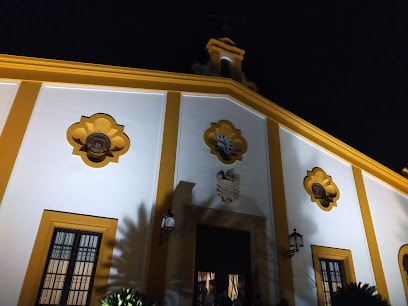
(228, 186)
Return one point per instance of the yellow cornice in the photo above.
(45, 70)
(225, 45)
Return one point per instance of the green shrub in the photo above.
(126, 297)
(358, 295)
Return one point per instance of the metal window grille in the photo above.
(70, 268)
(332, 278)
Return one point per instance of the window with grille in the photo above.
(332, 278)
(333, 269)
(403, 264)
(70, 268)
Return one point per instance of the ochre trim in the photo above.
(218, 48)
(336, 254)
(52, 219)
(158, 252)
(403, 251)
(110, 141)
(225, 127)
(280, 216)
(25, 68)
(14, 129)
(318, 177)
(370, 234)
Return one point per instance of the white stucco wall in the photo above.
(47, 176)
(341, 227)
(197, 112)
(8, 91)
(389, 212)
(196, 115)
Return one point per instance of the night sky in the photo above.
(342, 67)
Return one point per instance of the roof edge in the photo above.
(49, 70)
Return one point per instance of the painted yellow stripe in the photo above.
(370, 234)
(15, 128)
(158, 253)
(280, 215)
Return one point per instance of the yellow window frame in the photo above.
(49, 221)
(342, 255)
(403, 251)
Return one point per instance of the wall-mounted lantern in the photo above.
(167, 225)
(295, 243)
(168, 222)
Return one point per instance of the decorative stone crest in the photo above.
(321, 188)
(98, 140)
(225, 141)
(228, 186)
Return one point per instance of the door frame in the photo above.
(180, 271)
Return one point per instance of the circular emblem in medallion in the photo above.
(318, 191)
(98, 143)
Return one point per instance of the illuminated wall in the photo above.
(196, 164)
(389, 211)
(341, 227)
(8, 90)
(46, 175)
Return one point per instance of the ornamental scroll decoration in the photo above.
(98, 140)
(321, 188)
(225, 141)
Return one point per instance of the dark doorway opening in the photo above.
(223, 262)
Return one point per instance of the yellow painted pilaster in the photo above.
(281, 220)
(370, 234)
(158, 252)
(14, 129)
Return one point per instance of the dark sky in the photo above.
(342, 67)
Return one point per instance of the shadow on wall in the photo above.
(179, 291)
(128, 261)
(297, 204)
(182, 242)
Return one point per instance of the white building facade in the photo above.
(100, 154)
